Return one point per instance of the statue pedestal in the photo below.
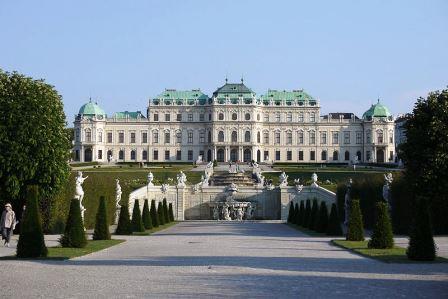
(117, 215)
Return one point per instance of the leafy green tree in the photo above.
(322, 223)
(146, 216)
(154, 214)
(424, 154)
(296, 214)
(421, 242)
(160, 213)
(307, 217)
(74, 234)
(382, 236)
(101, 231)
(34, 145)
(31, 240)
(165, 211)
(124, 223)
(313, 215)
(355, 231)
(136, 221)
(291, 212)
(301, 213)
(170, 211)
(334, 225)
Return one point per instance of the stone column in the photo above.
(227, 154)
(214, 153)
(180, 204)
(240, 153)
(284, 203)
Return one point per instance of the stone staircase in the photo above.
(225, 179)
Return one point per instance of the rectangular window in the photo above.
(266, 137)
(100, 154)
(289, 155)
(167, 117)
(368, 137)
(167, 155)
(201, 117)
(277, 117)
(300, 137)
(156, 117)
(391, 138)
(312, 137)
(155, 136)
(132, 137)
(266, 117)
(346, 137)
(190, 137)
(323, 137)
(156, 155)
(301, 117)
(144, 137)
(179, 155)
(358, 137)
(266, 155)
(312, 155)
(368, 156)
(277, 137)
(288, 137)
(190, 117)
(179, 137)
(109, 137)
(120, 137)
(335, 137)
(167, 137)
(277, 155)
(190, 155)
(289, 117)
(300, 155)
(100, 136)
(313, 117)
(202, 137)
(179, 117)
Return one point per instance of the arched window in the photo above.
(100, 136)
(133, 155)
(324, 155)
(220, 136)
(258, 116)
(347, 156)
(247, 136)
(289, 137)
(380, 136)
(167, 137)
(221, 116)
(88, 135)
(312, 137)
(335, 156)
(144, 155)
(121, 155)
(266, 137)
(391, 136)
(209, 136)
(234, 116)
(247, 116)
(77, 135)
(234, 136)
(258, 137)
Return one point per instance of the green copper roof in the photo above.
(376, 110)
(233, 88)
(287, 96)
(91, 109)
(129, 114)
(176, 97)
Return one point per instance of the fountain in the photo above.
(229, 208)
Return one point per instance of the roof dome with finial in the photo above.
(377, 110)
(91, 109)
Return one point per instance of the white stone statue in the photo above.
(79, 192)
(117, 194)
(204, 179)
(269, 185)
(164, 188)
(386, 188)
(283, 179)
(299, 187)
(181, 179)
(249, 212)
(150, 179)
(216, 212)
(347, 201)
(199, 159)
(225, 213)
(314, 179)
(239, 213)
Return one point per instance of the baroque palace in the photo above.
(234, 124)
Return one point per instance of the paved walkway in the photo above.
(209, 259)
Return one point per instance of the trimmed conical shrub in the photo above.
(74, 235)
(421, 242)
(296, 214)
(146, 215)
(160, 213)
(154, 214)
(307, 217)
(313, 215)
(136, 221)
(301, 213)
(31, 240)
(124, 223)
(322, 224)
(165, 212)
(291, 212)
(355, 230)
(101, 231)
(334, 226)
(382, 236)
(170, 212)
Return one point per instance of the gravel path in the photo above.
(208, 259)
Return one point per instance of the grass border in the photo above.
(149, 232)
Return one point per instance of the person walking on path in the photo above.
(7, 223)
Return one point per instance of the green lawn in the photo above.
(154, 229)
(393, 255)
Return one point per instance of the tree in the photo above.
(334, 225)
(160, 213)
(382, 236)
(170, 211)
(31, 240)
(137, 222)
(146, 216)
(424, 154)
(355, 231)
(154, 214)
(34, 145)
(101, 231)
(165, 211)
(307, 217)
(421, 242)
(124, 223)
(301, 213)
(322, 224)
(291, 212)
(74, 235)
(296, 214)
(313, 215)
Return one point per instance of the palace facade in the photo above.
(234, 124)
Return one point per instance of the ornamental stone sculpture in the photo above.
(386, 188)
(181, 179)
(299, 187)
(79, 192)
(164, 188)
(150, 179)
(283, 178)
(347, 201)
(314, 179)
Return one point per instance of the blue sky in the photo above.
(346, 53)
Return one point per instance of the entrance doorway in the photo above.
(220, 155)
(258, 156)
(88, 155)
(247, 155)
(233, 155)
(209, 155)
(380, 156)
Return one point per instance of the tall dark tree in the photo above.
(124, 223)
(291, 212)
(421, 242)
(382, 236)
(165, 211)
(313, 215)
(160, 213)
(154, 214)
(74, 234)
(301, 213)
(296, 214)
(170, 211)
(322, 223)
(424, 154)
(334, 225)
(31, 240)
(307, 217)
(34, 145)
(101, 231)
(146, 216)
(136, 221)
(355, 230)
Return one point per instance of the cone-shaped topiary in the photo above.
(307, 217)
(160, 213)
(154, 214)
(146, 216)
(322, 224)
(301, 213)
(136, 221)
(421, 242)
(334, 226)
(313, 215)
(291, 212)
(170, 212)
(165, 212)
(101, 231)
(31, 240)
(124, 223)
(355, 230)
(296, 214)
(74, 235)
(382, 236)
